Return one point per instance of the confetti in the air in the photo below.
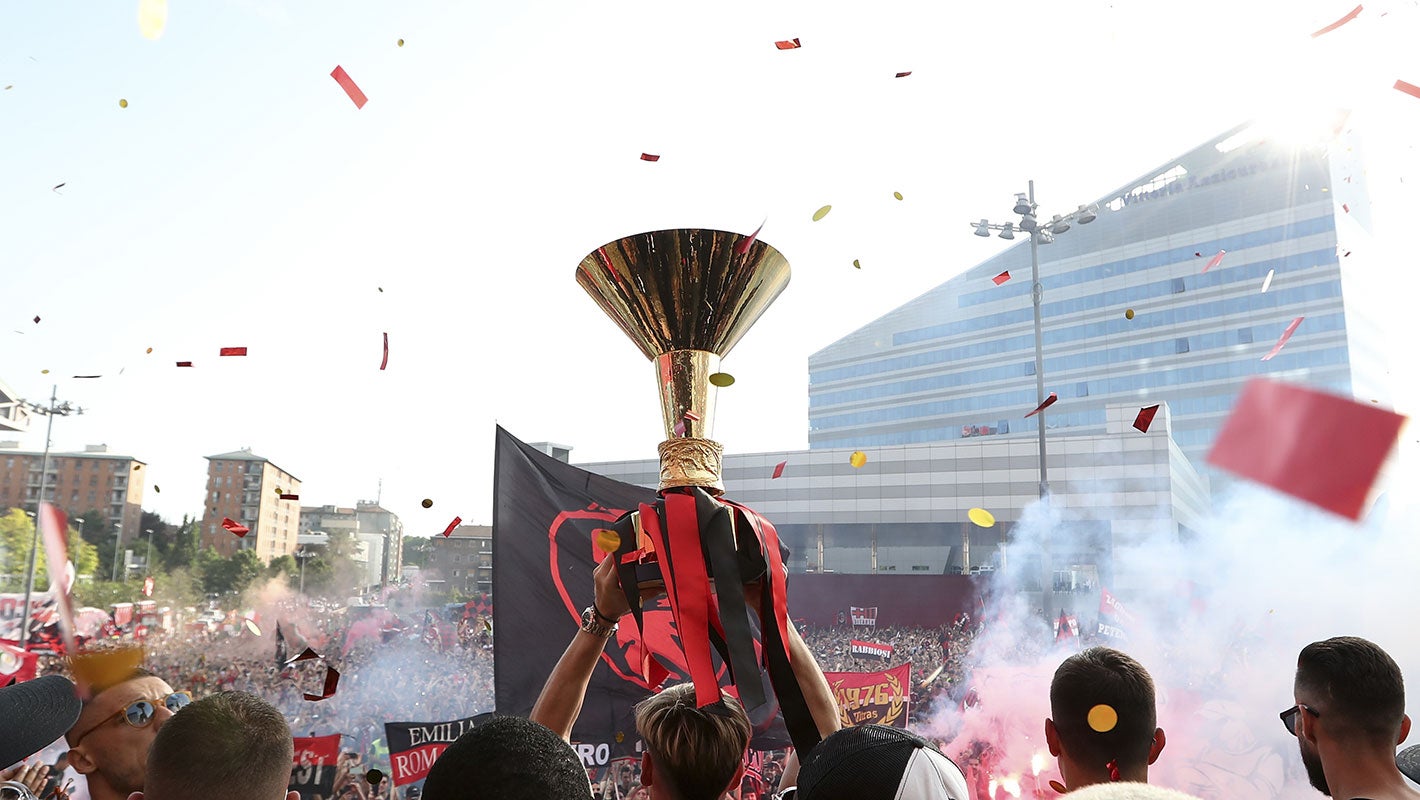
(898, 195)
(779, 470)
(232, 351)
(288, 496)
(743, 245)
(385, 359)
(184, 363)
(150, 351)
(1049, 401)
(152, 18)
(57, 188)
(1002, 278)
(1346, 208)
(88, 376)
(356, 96)
(1129, 313)
(1058, 786)
(1355, 12)
(36, 319)
(1409, 88)
(1215, 260)
(400, 43)
(427, 503)
(649, 157)
(1145, 418)
(903, 74)
(122, 103)
(251, 626)
(156, 489)
(856, 265)
(858, 459)
(332, 676)
(1267, 282)
(722, 379)
(788, 44)
(374, 776)
(608, 540)
(822, 212)
(981, 518)
(235, 527)
(456, 522)
(1102, 718)
(1282, 342)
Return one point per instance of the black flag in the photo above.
(280, 647)
(544, 516)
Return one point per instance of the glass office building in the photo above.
(959, 362)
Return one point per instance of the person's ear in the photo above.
(1158, 745)
(648, 774)
(1052, 737)
(1404, 728)
(1306, 726)
(82, 763)
(289, 796)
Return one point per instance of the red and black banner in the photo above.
(544, 515)
(864, 616)
(415, 746)
(873, 698)
(313, 766)
(1114, 617)
(870, 649)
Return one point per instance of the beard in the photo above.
(1312, 761)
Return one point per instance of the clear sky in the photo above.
(241, 199)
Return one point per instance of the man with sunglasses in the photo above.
(1348, 719)
(110, 742)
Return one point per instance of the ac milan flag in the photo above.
(864, 616)
(1066, 627)
(544, 516)
(313, 765)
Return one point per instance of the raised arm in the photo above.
(561, 699)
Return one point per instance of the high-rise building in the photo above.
(365, 519)
(247, 489)
(94, 482)
(1131, 312)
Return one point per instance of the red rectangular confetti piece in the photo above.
(1049, 401)
(692, 416)
(332, 680)
(1409, 88)
(779, 470)
(903, 74)
(233, 351)
(385, 359)
(788, 44)
(1145, 418)
(1346, 208)
(1286, 335)
(1355, 12)
(1215, 260)
(743, 246)
(235, 527)
(1002, 278)
(457, 521)
(290, 497)
(184, 363)
(649, 157)
(1315, 446)
(356, 96)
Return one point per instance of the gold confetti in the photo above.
(608, 540)
(981, 517)
(822, 212)
(427, 503)
(251, 626)
(620, 737)
(1102, 718)
(156, 489)
(898, 195)
(1129, 313)
(858, 459)
(856, 265)
(400, 43)
(122, 103)
(44, 372)
(152, 18)
(722, 379)
(150, 350)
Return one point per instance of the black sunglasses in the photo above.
(1289, 717)
(140, 712)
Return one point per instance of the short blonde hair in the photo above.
(697, 751)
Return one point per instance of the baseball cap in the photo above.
(1409, 762)
(36, 713)
(878, 761)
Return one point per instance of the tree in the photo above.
(417, 550)
(283, 566)
(187, 541)
(233, 574)
(17, 537)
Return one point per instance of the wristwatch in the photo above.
(591, 623)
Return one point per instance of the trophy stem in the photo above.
(689, 457)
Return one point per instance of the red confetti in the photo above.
(235, 527)
(1049, 401)
(1002, 278)
(385, 359)
(788, 44)
(332, 675)
(679, 429)
(36, 319)
(649, 157)
(233, 351)
(903, 74)
(1409, 88)
(457, 522)
(1287, 334)
(692, 416)
(1215, 260)
(1318, 447)
(184, 363)
(744, 245)
(356, 96)
(290, 497)
(1346, 208)
(779, 470)
(1333, 26)
(1145, 418)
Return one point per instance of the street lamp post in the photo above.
(55, 408)
(117, 548)
(1039, 234)
(148, 560)
(301, 556)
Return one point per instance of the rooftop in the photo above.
(245, 454)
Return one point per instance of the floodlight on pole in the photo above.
(1008, 231)
(983, 228)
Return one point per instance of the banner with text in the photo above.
(871, 650)
(313, 765)
(873, 698)
(1114, 617)
(415, 746)
(864, 616)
